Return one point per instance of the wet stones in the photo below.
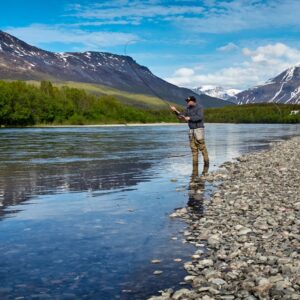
(249, 236)
(204, 263)
(214, 240)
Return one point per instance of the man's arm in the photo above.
(174, 109)
(177, 112)
(180, 116)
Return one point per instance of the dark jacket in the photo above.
(197, 116)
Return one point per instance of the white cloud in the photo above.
(133, 11)
(259, 65)
(183, 72)
(38, 34)
(228, 47)
(237, 15)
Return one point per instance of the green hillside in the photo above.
(24, 104)
(136, 100)
(28, 104)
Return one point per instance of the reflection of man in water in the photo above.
(196, 191)
(194, 116)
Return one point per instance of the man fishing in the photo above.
(194, 116)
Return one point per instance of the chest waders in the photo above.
(197, 143)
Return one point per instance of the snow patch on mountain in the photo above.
(283, 88)
(217, 91)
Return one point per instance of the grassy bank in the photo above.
(253, 113)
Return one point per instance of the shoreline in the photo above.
(135, 125)
(248, 239)
(96, 125)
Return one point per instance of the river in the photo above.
(83, 211)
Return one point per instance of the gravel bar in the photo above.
(248, 240)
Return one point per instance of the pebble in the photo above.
(250, 231)
(157, 272)
(155, 261)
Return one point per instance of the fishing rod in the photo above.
(142, 79)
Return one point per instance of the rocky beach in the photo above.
(248, 238)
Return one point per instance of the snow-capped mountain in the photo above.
(284, 88)
(21, 61)
(217, 91)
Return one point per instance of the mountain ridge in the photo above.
(21, 61)
(283, 88)
(217, 91)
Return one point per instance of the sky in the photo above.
(233, 44)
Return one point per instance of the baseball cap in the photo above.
(191, 98)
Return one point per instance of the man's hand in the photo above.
(173, 108)
(183, 118)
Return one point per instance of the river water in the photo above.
(83, 211)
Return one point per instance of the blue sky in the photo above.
(235, 44)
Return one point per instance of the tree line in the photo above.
(23, 104)
(254, 113)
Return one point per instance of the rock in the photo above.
(282, 284)
(179, 213)
(213, 240)
(205, 263)
(155, 261)
(264, 285)
(244, 231)
(207, 298)
(188, 266)
(203, 289)
(174, 215)
(181, 294)
(276, 278)
(165, 295)
(157, 272)
(217, 281)
(189, 278)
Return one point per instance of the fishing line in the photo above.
(182, 156)
(141, 78)
(157, 95)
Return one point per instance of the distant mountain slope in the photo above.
(217, 92)
(21, 61)
(284, 88)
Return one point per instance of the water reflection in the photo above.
(18, 185)
(89, 207)
(196, 192)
